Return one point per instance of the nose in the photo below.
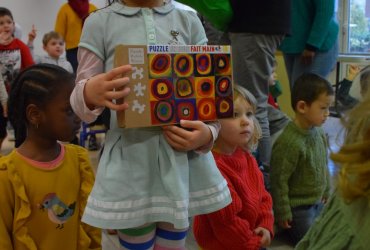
(245, 120)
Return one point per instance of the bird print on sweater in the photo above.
(58, 211)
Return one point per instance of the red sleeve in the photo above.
(26, 59)
(233, 231)
(266, 217)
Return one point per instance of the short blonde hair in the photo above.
(240, 92)
(51, 35)
(354, 156)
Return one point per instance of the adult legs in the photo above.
(322, 64)
(253, 61)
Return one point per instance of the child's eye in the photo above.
(249, 114)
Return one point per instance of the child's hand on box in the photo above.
(189, 136)
(102, 89)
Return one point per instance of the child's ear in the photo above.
(33, 115)
(44, 47)
(301, 107)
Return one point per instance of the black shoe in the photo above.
(93, 145)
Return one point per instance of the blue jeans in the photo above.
(323, 63)
(303, 218)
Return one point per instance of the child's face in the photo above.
(55, 47)
(239, 130)
(317, 113)
(6, 27)
(60, 122)
(273, 77)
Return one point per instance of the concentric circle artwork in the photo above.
(205, 87)
(170, 83)
(161, 88)
(160, 65)
(206, 109)
(223, 86)
(163, 111)
(186, 110)
(203, 64)
(184, 87)
(222, 64)
(183, 65)
(224, 107)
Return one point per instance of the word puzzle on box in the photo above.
(169, 83)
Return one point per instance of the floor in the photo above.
(335, 134)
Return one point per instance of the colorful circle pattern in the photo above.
(186, 110)
(205, 87)
(161, 88)
(222, 64)
(204, 64)
(223, 86)
(183, 64)
(206, 109)
(184, 88)
(163, 111)
(160, 65)
(224, 107)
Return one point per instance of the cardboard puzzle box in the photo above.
(169, 83)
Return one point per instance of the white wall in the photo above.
(41, 13)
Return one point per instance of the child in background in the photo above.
(275, 89)
(344, 100)
(149, 180)
(345, 220)
(53, 44)
(247, 223)
(299, 170)
(14, 54)
(14, 57)
(44, 184)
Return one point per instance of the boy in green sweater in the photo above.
(299, 164)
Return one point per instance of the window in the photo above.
(354, 18)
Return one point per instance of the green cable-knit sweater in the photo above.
(299, 169)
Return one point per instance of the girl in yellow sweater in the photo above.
(44, 184)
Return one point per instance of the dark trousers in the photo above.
(303, 218)
(72, 58)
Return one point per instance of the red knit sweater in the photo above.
(233, 226)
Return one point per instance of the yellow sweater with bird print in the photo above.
(42, 203)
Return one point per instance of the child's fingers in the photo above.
(117, 94)
(118, 83)
(117, 72)
(178, 131)
(191, 124)
(175, 140)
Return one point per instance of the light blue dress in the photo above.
(140, 178)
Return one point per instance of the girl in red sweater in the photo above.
(247, 223)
